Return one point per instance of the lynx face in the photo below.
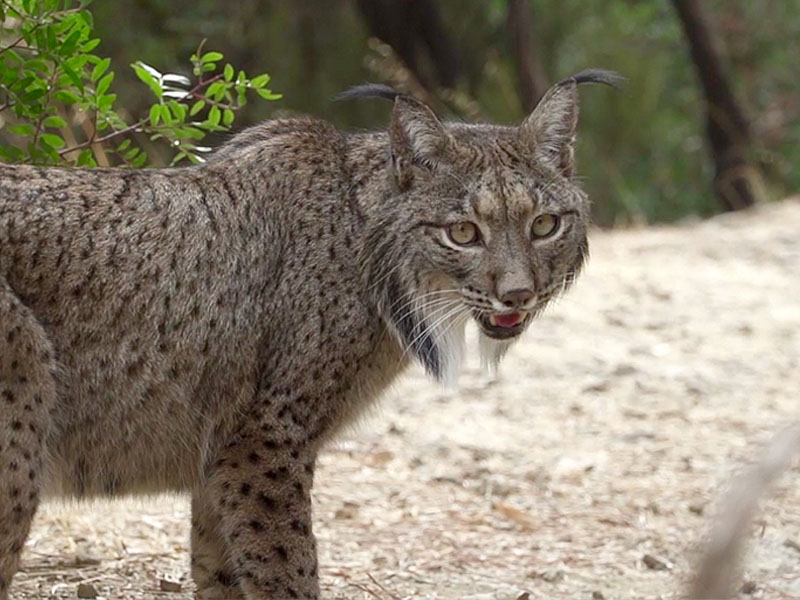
(507, 247)
(487, 223)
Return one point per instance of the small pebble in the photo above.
(749, 587)
(598, 595)
(656, 564)
(86, 590)
(167, 585)
(82, 560)
(553, 576)
(696, 509)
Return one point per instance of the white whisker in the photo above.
(429, 327)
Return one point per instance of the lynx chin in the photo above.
(206, 329)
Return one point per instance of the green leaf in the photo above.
(147, 78)
(52, 41)
(106, 102)
(155, 114)
(227, 117)
(11, 154)
(90, 45)
(36, 64)
(86, 159)
(12, 54)
(54, 121)
(211, 57)
(140, 160)
(268, 95)
(104, 83)
(178, 110)
(222, 93)
(67, 47)
(66, 96)
(22, 129)
(193, 133)
(177, 158)
(33, 95)
(260, 81)
(229, 72)
(100, 68)
(85, 15)
(73, 76)
(214, 88)
(197, 107)
(77, 62)
(165, 115)
(53, 140)
(214, 115)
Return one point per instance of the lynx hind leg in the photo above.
(212, 574)
(27, 395)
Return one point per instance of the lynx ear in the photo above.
(417, 137)
(550, 129)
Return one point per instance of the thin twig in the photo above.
(382, 587)
(43, 116)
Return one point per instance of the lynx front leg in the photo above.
(211, 570)
(27, 395)
(261, 488)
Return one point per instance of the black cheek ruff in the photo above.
(410, 327)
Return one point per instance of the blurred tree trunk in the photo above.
(531, 79)
(728, 129)
(408, 26)
(307, 38)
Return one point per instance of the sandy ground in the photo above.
(608, 435)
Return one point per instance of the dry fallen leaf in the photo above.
(514, 514)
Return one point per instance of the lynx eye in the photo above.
(544, 226)
(463, 234)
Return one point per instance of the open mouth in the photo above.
(502, 326)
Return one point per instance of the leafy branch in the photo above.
(48, 72)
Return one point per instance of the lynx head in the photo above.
(481, 221)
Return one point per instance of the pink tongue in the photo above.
(508, 320)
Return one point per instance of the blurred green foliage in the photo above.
(57, 108)
(642, 151)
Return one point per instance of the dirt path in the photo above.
(607, 436)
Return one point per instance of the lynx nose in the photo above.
(516, 298)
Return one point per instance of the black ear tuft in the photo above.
(550, 129)
(609, 78)
(417, 136)
(368, 90)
